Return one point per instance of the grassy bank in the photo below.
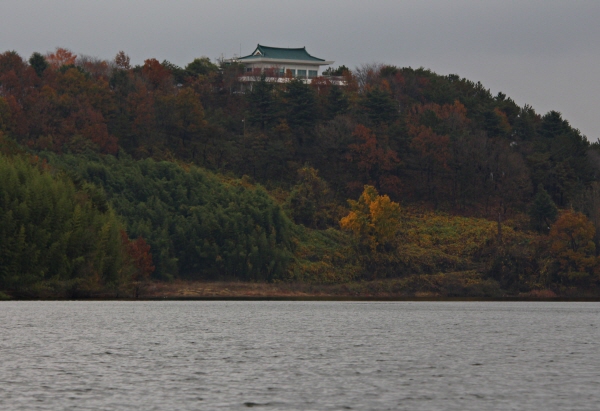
(465, 285)
(462, 285)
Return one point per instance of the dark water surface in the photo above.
(299, 355)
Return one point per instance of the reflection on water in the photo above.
(299, 355)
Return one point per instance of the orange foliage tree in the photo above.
(122, 60)
(449, 117)
(140, 108)
(572, 245)
(374, 221)
(61, 57)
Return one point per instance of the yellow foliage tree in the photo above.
(572, 244)
(375, 221)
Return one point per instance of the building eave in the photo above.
(283, 80)
(283, 62)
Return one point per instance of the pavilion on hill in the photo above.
(280, 64)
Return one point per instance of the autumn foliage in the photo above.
(374, 160)
(61, 57)
(138, 256)
(487, 187)
(374, 221)
(572, 245)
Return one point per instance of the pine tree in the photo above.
(302, 105)
(543, 212)
(337, 102)
(262, 107)
(39, 63)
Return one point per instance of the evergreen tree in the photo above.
(308, 203)
(337, 102)
(39, 63)
(177, 72)
(197, 227)
(52, 231)
(543, 211)
(380, 106)
(201, 67)
(301, 105)
(262, 106)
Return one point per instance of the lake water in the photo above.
(299, 355)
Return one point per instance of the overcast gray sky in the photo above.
(545, 53)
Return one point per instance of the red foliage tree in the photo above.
(432, 147)
(374, 160)
(139, 256)
(155, 72)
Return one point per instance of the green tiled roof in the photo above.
(280, 54)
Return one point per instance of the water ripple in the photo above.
(299, 355)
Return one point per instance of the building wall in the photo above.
(284, 67)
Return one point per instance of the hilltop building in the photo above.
(280, 64)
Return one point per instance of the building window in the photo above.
(291, 72)
(248, 69)
(281, 71)
(312, 73)
(302, 73)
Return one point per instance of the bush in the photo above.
(49, 229)
(198, 227)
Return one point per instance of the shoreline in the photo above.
(367, 291)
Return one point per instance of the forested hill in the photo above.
(445, 178)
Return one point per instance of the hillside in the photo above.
(402, 178)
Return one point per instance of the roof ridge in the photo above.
(281, 48)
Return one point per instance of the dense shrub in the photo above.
(51, 230)
(198, 226)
